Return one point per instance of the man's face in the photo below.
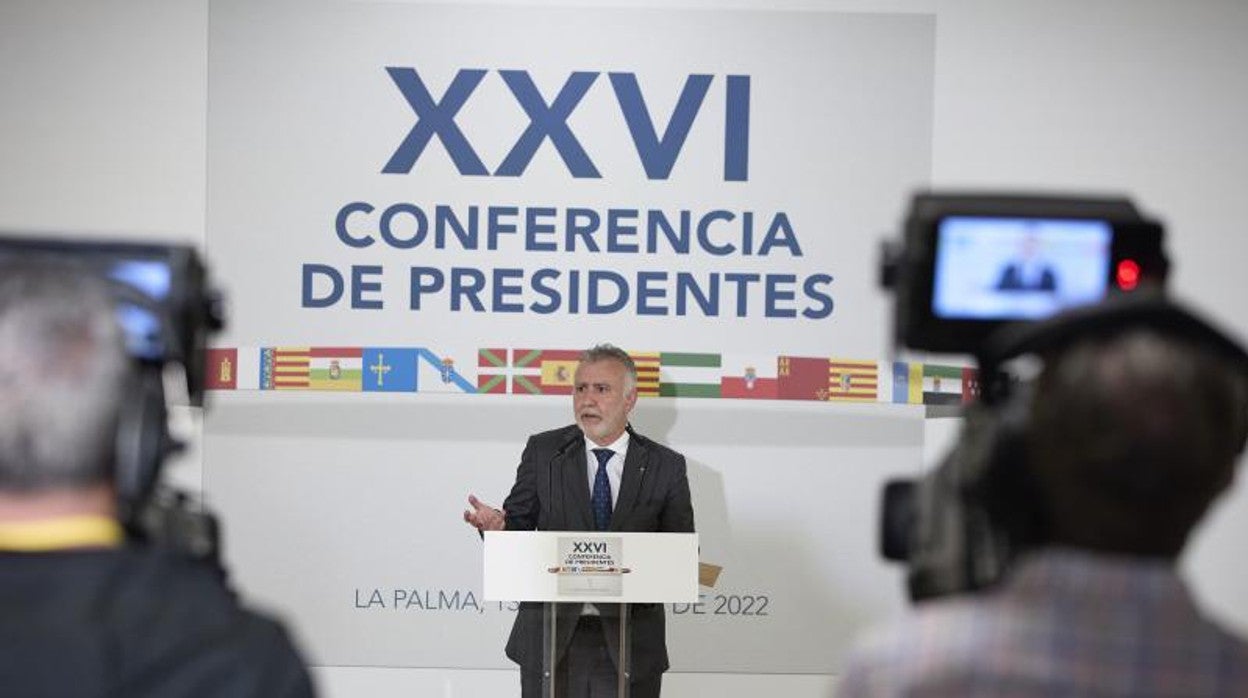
(600, 401)
(1031, 247)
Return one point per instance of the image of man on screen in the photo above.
(595, 475)
(1029, 271)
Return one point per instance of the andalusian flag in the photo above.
(689, 375)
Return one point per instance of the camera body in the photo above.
(163, 301)
(167, 310)
(968, 263)
(958, 528)
(996, 277)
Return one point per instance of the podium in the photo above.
(599, 567)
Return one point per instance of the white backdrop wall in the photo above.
(363, 490)
(104, 120)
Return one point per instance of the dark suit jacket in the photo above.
(551, 493)
(1012, 280)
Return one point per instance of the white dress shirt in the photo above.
(615, 473)
(615, 466)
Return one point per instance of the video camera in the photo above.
(995, 277)
(166, 309)
(961, 270)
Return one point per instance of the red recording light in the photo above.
(1128, 274)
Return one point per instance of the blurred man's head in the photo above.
(1031, 246)
(604, 392)
(64, 373)
(1132, 437)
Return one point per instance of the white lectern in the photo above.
(605, 567)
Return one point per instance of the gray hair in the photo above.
(610, 352)
(64, 374)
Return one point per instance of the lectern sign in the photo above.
(592, 565)
(580, 567)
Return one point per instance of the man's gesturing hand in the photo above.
(483, 516)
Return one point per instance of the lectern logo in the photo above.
(591, 565)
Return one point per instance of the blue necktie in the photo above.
(602, 490)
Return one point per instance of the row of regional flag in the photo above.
(550, 372)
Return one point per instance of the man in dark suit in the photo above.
(1029, 272)
(597, 474)
(1019, 277)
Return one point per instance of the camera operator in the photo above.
(1130, 437)
(81, 612)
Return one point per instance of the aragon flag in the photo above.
(856, 381)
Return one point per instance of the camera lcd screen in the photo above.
(993, 268)
(145, 285)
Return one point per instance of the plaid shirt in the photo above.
(1064, 623)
